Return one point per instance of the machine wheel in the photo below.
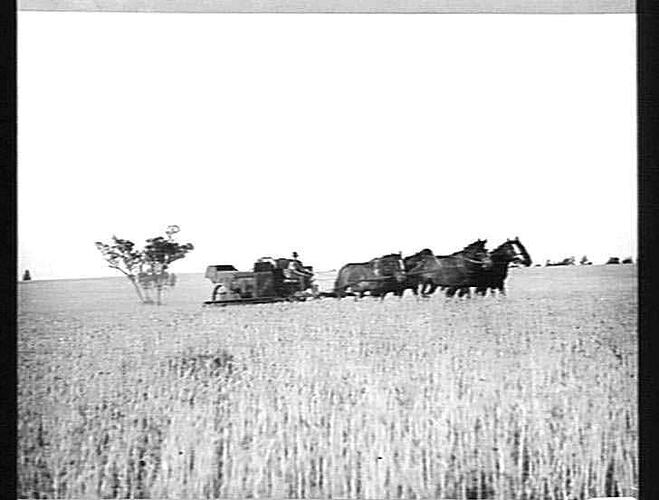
(215, 290)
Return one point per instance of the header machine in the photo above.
(272, 280)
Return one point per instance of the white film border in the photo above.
(340, 6)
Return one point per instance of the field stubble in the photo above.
(528, 396)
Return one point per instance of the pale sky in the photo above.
(343, 137)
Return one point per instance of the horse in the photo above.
(481, 254)
(413, 281)
(378, 276)
(494, 278)
(452, 272)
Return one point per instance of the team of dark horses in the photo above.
(473, 267)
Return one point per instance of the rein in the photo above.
(464, 257)
(383, 278)
(457, 265)
(473, 261)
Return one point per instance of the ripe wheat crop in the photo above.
(531, 396)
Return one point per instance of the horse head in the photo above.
(521, 255)
(412, 261)
(475, 246)
(477, 253)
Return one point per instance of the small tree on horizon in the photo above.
(585, 261)
(146, 269)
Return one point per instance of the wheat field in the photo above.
(529, 396)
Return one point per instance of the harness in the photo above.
(461, 257)
(457, 265)
(473, 261)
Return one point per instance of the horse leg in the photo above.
(431, 287)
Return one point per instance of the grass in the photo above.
(532, 396)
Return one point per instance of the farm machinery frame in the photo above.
(271, 280)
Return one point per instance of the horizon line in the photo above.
(120, 276)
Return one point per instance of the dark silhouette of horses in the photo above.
(613, 260)
(628, 260)
(413, 280)
(378, 277)
(508, 252)
(452, 272)
(476, 272)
